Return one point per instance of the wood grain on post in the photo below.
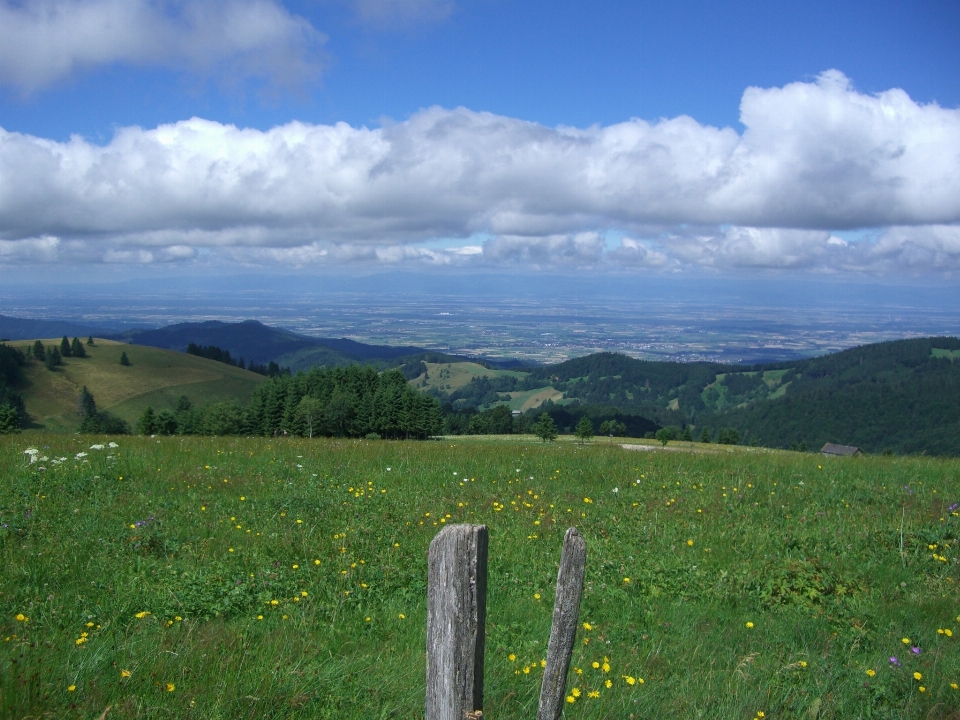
(566, 612)
(456, 618)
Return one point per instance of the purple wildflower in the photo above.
(894, 661)
(915, 650)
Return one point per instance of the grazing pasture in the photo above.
(286, 578)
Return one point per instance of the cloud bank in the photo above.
(815, 158)
(43, 41)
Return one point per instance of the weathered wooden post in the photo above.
(566, 612)
(456, 617)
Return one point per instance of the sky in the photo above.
(352, 136)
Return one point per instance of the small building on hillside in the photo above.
(841, 450)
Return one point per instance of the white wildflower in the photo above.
(113, 445)
(96, 447)
(80, 455)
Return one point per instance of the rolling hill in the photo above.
(258, 343)
(155, 377)
(902, 396)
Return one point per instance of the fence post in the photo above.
(566, 612)
(456, 616)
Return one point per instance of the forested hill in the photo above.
(902, 395)
(261, 344)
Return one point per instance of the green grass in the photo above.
(205, 533)
(154, 377)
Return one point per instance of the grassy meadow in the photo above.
(285, 578)
(154, 377)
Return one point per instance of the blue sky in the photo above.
(682, 137)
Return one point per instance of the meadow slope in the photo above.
(154, 377)
(285, 578)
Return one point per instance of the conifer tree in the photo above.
(77, 349)
(584, 429)
(39, 352)
(65, 347)
(52, 358)
(87, 406)
(147, 424)
(546, 428)
(90, 341)
(124, 360)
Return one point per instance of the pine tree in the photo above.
(65, 347)
(77, 349)
(87, 406)
(546, 428)
(90, 341)
(124, 360)
(39, 352)
(147, 424)
(52, 358)
(9, 419)
(584, 429)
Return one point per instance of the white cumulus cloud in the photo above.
(814, 158)
(43, 41)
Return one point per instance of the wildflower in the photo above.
(917, 676)
(630, 679)
(171, 687)
(402, 616)
(608, 683)
(575, 692)
(571, 699)
(605, 666)
(954, 686)
(22, 618)
(511, 657)
(142, 614)
(894, 661)
(71, 688)
(690, 543)
(749, 624)
(915, 650)
(871, 672)
(948, 632)
(536, 596)
(124, 673)
(922, 688)
(626, 580)
(587, 626)
(593, 694)
(259, 617)
(905, 641)
(803, 663)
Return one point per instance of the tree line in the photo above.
(349, 401)
(212, 352)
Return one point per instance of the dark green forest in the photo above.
(351, 401)
(13, 414)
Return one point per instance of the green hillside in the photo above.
(154, 377)
(902, 396)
